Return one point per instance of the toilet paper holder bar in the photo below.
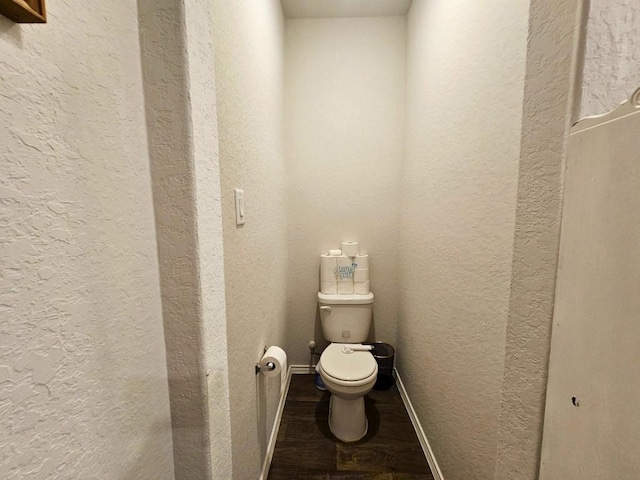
(268, 367)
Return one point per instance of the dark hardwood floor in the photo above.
(306, 449)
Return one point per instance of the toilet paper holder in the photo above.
(268, 367)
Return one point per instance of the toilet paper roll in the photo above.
(278, 357)
(362, 261)
(335, 253)
(327, 269)
(350, 249)
(345, 287)
(328, 262)
(327, 276)
(361, 288)
(329, 288)
(361, 275)
(330, 273)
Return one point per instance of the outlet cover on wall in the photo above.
(239, 196)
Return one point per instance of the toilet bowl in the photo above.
(349, 375)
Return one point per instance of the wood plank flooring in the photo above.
(306, 449)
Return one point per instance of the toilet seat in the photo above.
(346, 369)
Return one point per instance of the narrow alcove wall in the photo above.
(495, 91)
(465, 89)
(471, 186)
(249, 50)
(344, 127)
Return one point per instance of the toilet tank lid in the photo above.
(337, 299)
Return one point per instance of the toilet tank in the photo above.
(346, 318)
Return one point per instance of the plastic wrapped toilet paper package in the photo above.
(344, 274)
(345, 271)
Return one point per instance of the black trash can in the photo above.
(384, 355)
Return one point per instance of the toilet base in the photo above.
(347, 419)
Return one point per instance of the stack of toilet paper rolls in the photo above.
(361, 283)
(344, 271)
(328, 279)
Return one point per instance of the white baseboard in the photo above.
(422, 438)
(306, 369)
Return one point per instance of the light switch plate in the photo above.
(239, 196)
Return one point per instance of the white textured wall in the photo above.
(344, 112)
(612, 55)
(248, 38)
(177, 58)
(465, 77)
(83, 382)
(208, 205)
(547, 114)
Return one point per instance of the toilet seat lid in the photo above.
(347, 366)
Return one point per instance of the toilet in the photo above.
(347, 367)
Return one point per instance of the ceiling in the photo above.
(344, 8)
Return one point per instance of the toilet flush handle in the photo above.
(326, 308)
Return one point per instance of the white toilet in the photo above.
(347, 372)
